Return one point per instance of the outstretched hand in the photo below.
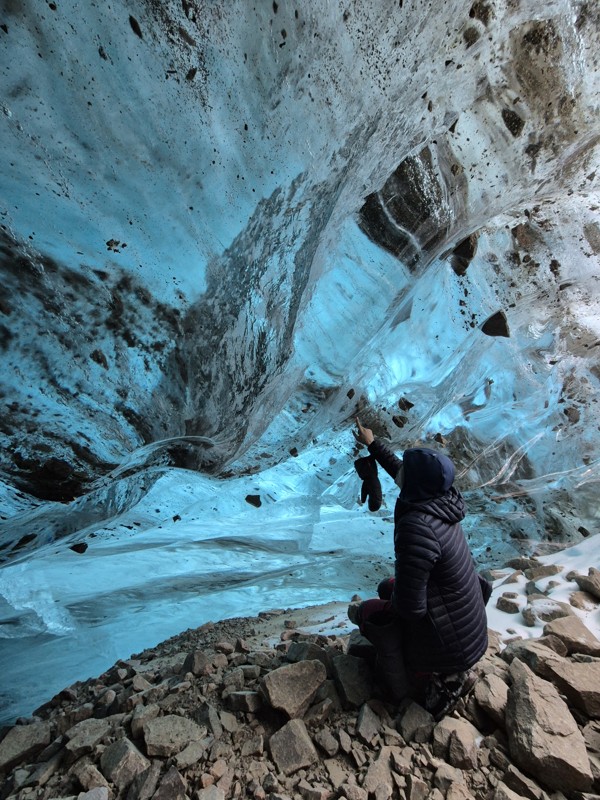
(363, 435)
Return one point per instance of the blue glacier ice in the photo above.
(225, 231)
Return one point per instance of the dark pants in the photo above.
(383, 629)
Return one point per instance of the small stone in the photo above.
(245, 701)
(97, 793)
(210, 793)
(198, 663)
(542, 571)
(415, 723)
(544, 609)
(190, 755)
(327, 742)
(509, 603)
(253, 746)
(445, 776)
(121, 762)
(491, 693)
(166, 736)
(368, 724)
(85, 735)
(353, 680)
(292, 748)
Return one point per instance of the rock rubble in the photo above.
(218, 713)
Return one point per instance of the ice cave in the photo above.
(227, 229)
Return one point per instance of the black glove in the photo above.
(371, 488)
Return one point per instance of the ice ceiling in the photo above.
(228, 228)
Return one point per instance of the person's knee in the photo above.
(354, 613)
(385, 588)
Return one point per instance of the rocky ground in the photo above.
(274, 708)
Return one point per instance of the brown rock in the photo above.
(583, 600)
(415, 723)
(458, 791)
(379, 772)
(508, 602)
(542, 571)
(445, 776)
(491, 692)
(23, 742)
(576, 636)
(210, 793)
(454, 740)
(588, 583)
(327, 742)
(504, 793)
(532, 652)
(144, 784)
(85, 735)
(291, 688)
(579, 682)
(167, 736)
(521, 784)
(88, 775)
(246, 701)
(353, 680)
(141, 715)
(337, 771)
(368, 724)
(171, 787)
(292, 748)
(121, 762)
(417, 788)
(544, 609)
(543, 737)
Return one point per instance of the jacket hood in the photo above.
(427, 474)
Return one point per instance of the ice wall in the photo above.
(227, 229)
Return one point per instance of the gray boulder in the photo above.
(543, 737)
(353, 680)
(85, 735)
(454, 740)
(171, 787)
(576, 636)
(579, 682)
(121, 762)
(23, 742)
(379, 773)
(291, 688)
(491, 693)
(292, 748)
(167, 736)
(415, 723)
(588, 583)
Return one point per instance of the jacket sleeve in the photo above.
(385, 457)
(417, 551)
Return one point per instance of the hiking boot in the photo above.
(444, 692)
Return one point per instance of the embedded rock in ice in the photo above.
(183, 267)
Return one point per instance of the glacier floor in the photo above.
(192, 550)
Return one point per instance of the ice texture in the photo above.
(228, 229)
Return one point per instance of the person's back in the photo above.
(436, 592)
(436, 587)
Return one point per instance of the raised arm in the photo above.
(385, 457)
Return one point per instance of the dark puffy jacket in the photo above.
(437, 591)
